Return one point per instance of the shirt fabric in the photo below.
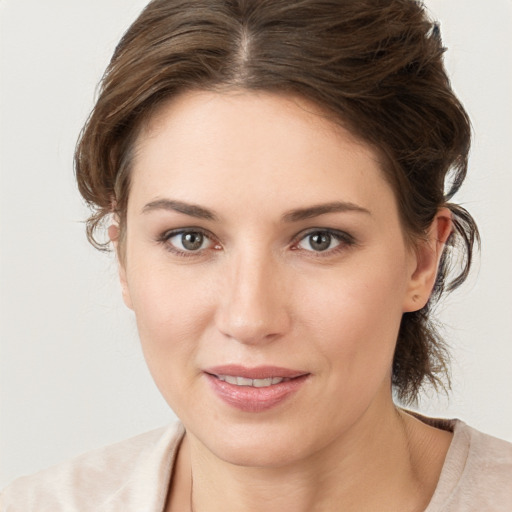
(134, 476)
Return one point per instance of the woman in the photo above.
(273, 173)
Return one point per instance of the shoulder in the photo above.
(489, 462)
(477, 473)
(132, 474)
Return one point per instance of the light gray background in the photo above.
(72, 375)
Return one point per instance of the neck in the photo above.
(375, 466)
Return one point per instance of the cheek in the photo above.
(171, 308)
(172, 314)
(356, 316)
(354, 327)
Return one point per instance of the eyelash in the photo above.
(344, 240)
(165, 237)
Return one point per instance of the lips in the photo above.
(254, 389)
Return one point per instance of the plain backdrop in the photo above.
(72, 375)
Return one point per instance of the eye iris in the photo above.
(192, 241)
(320, 241)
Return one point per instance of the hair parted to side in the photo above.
(375, 65)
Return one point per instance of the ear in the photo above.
(425, 260)
(113, 233)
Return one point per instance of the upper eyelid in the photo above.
(337, 233)
(302, 233)
(173, 232)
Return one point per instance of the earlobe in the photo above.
(113, 233)
(426, 258)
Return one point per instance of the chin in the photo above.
(257, 445)
(261, 455)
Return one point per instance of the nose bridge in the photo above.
(253, 308)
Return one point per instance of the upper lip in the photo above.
(257, 372)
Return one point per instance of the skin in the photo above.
(257, 292)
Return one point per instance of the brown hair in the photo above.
(375, 65)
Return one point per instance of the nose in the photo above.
(253, 306)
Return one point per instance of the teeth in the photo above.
(257, 383)
(262, 383)
(242, 381)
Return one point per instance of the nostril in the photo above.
(247, 329)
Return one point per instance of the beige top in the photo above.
(133, 476)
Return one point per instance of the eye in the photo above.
(187, 241)
(319, 241)
(324, 240)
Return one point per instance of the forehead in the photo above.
(208, 146)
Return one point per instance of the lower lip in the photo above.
(251, 399)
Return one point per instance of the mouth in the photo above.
(254, 389)
(255, 383)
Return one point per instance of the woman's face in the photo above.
(268, 272)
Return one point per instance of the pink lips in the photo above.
(255, 399)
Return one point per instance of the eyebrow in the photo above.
(296, 215)
(193, 210)
(322, 209)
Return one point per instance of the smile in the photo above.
(254, 390)
(256, 383)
